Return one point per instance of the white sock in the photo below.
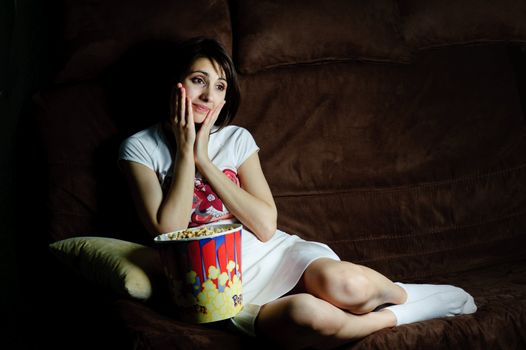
(441, 304)
(417, 292)
(470, 307)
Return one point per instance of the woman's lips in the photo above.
(200, 108)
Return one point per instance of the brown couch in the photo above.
(393, 131)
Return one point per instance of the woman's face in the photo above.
(206, 86)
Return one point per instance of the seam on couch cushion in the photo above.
(432, 231)
(437, 23)
(402, 188)
(271, 33)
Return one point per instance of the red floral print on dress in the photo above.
(207, 205)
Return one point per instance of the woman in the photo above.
(193, 169)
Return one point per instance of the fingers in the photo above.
(174, 105)
(182, 116)
(212, 115)
(189, 113)
(201, 145)
(176, 98)
(181, 110)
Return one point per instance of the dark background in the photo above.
(25, 50)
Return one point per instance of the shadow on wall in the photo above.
(518, 58)
(137, 88)
(139, 85)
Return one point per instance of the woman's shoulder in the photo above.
(145, 142)
(237, 141)
(151, 135)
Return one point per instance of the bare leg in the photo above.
(313, 322)
(349, 286)
(359, 290)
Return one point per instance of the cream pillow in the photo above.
(126, 268)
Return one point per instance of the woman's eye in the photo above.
(221, 87)
(197, 80)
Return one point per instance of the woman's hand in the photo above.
(203, 135)
(182, 122)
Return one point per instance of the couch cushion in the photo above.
(96, 32)
(274, 33)
(124, 268)
(397, 167)
(446, 22)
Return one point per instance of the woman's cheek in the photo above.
(190, 91)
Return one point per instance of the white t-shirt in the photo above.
(228, 148)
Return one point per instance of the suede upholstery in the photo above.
(318, 32)
(394, 131)
(440, 23)
(96, 33)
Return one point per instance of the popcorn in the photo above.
(204, 272)
(197, 232)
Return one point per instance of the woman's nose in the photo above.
(205, 94)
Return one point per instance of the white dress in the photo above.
(270, 269)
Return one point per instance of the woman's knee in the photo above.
(355, 283)
(343, 282)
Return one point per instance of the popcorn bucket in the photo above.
(204, 272)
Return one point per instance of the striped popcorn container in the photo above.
(204, 271)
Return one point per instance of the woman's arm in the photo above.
(252, 203)
(164, 212)
(160, 212)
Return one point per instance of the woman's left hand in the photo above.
(203, 135)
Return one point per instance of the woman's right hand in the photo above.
(182, 122)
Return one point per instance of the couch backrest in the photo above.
(417, 166)
(389, 130)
